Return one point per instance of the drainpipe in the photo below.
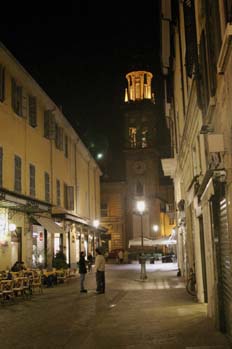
(181, 65)
(75, 163)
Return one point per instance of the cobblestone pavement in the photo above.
(157, 313)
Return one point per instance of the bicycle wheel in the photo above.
(190, 287)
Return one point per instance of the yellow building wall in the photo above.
(165, 226)
(83, 186)
(17, 137)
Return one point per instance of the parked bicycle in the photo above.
(191, 283)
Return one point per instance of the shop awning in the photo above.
(152, 242)
(49, 224)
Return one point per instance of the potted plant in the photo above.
(59, 261)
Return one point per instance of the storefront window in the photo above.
(57, 243)
(38, 247)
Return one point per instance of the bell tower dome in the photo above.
(139, 86)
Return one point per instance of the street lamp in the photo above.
(155, 228)
(141, 208)
(96, 225)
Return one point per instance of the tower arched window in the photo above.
(144, 135)
(132, 137)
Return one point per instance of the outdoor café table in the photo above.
(49, 278)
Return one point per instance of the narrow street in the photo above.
(157, 313)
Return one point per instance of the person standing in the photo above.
(82, 271)
(100, 271)
(120, 256)
(90, 261)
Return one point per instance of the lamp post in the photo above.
(141, 208)
(96, 225)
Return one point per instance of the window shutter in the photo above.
(2, 83)
(66, 147)
(49, 125)
(58, 192)
(13, 94)
(18, 174)
(71, 198)
(68, 197)
(228, 10)
(19, 97)
(213, 40)
(65, 196)
(24, 100)
(1, 165)
(204, 74)
(57, 136)
(61, 138)
(32, 180)
(190, 36)
(47, 186)
(32, 106)
(16, 97)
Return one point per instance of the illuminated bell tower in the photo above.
(142, 158)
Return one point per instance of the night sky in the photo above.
(80, 58)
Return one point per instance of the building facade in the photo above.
(49, 182)
(143, 178)
(113, 214)
(196, 60)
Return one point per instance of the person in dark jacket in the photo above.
(82, 271)
(90, 261)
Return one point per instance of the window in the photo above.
(18, 174)
(47, 186)
(139, 189)
(68, 197)
(144, 137)
(104, 209)
(1, 165)
(32, 180)
(190, 37)
(16, 98)
(169, 208)
(213, 41)
(2, 83)
(59, 137)
(49, 124)
(66, 147)
(204, 73)
(145, 78)
(132, 137)
(32, 111)
(228, 10)
(137, 89)
(58, 192)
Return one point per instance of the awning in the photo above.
(76, 219)
(152, 242)
(49, 224)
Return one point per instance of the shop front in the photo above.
(80, 236)
(19, 239)
(47, 239)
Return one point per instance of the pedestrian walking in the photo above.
(90, 261)
(100, 271)
(126, 257)
(82, 271)
(120, 256)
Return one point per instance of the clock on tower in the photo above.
(139, 167)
